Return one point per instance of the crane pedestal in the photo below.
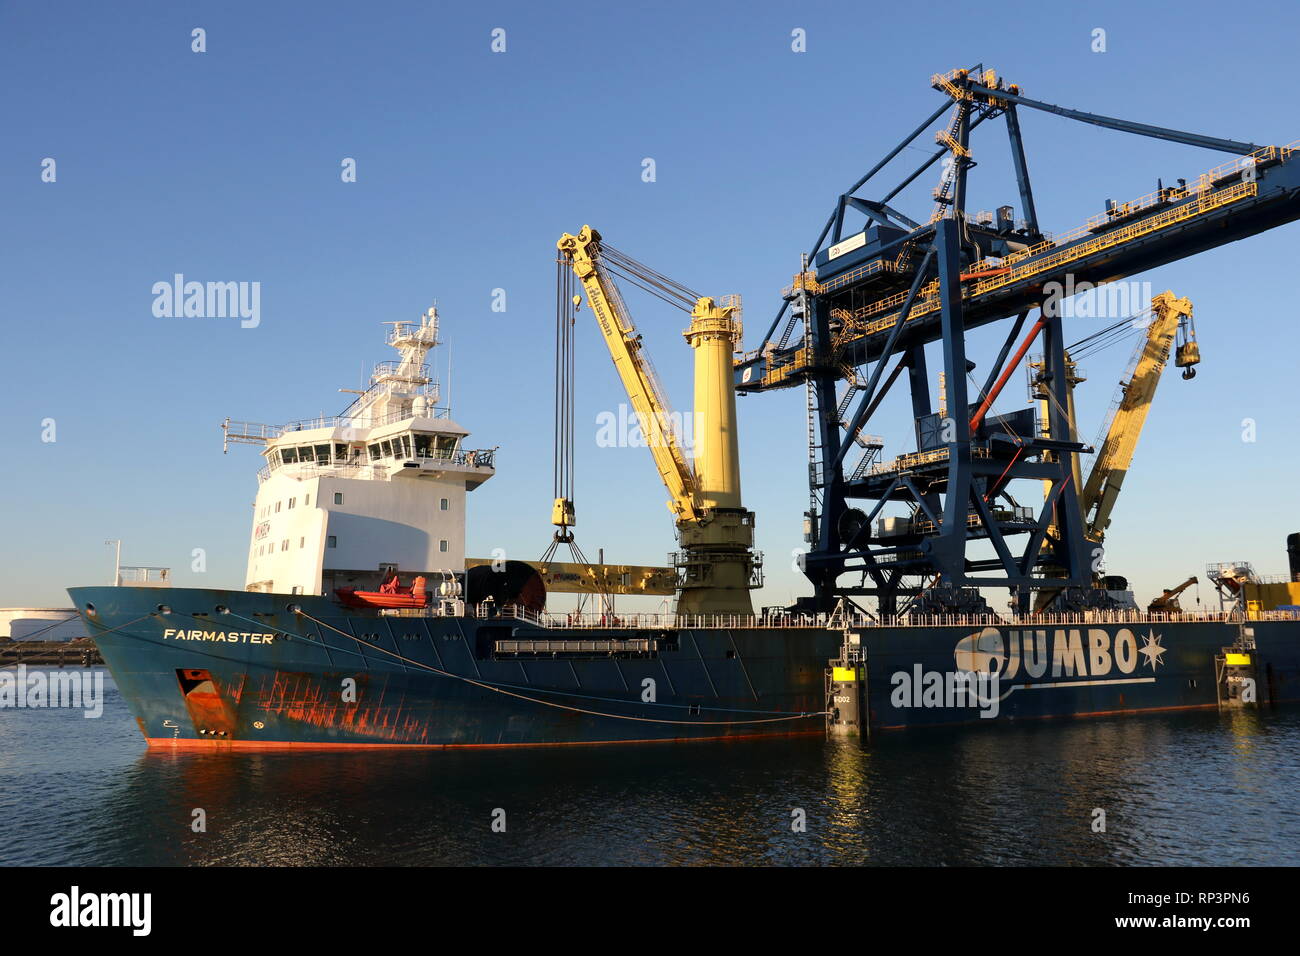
(717, 567)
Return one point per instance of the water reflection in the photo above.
(1176, 789)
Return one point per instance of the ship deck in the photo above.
(670, 621)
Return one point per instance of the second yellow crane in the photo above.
(716, 566)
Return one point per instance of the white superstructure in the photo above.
(380, 487)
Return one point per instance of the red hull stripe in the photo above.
(183, 743)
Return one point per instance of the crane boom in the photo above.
(635, 371)
(1168, 601)
(1116, 455)
(716, 567)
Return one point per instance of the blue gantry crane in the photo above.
(868, 299)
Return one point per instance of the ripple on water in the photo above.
(1197, 788)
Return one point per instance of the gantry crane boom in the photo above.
(1004, 272)
(1101, 491)
(635, 371)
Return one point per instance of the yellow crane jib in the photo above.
(643, 390)
(1171, 317)
(716, 567)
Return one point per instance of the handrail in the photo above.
(1122, 223)
(670, 621)
(380, 468)
(349, 421)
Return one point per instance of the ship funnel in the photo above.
(1293, 555)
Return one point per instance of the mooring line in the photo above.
(546, 703)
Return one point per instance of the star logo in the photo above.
(1152, 650)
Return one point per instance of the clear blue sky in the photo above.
(225, 166)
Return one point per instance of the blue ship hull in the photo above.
(207, 668)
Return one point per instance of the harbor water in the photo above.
(1190, 788)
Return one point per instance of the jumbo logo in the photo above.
(1063, 652)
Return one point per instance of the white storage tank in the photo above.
(41, 624)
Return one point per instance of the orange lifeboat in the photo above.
(391, 594)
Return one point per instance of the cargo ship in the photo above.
(362, 623)
(315, 652)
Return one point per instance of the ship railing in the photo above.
(469, 457)
(1075, 618)
(312, 469)
(402, 331)
(357, 421)
(253, 431)
(647, 620)
(1273, 579)
(670, 621)
(473, 458)
(139, 576)
(380, 468)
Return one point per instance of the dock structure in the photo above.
(79, 653)
(869, 298)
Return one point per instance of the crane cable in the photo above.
(562, 466)
(1112, 334)
(648, 279)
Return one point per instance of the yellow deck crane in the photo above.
(716, 566)
(1170, 320)
(1167, 602)
(1171, 317)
